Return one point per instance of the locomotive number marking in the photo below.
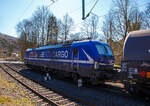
(62, 54)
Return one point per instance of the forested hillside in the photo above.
(8, 44)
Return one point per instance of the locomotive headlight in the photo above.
(96, 65)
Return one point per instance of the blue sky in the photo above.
(14, 11)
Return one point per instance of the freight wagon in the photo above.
(136, 62)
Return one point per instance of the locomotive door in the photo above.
(75, 59)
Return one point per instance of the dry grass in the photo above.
(12, 95)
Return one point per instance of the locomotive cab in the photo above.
(136, 62)
(104, 57)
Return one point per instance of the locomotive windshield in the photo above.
(109, 50)
(103, 49)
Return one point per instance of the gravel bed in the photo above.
(12, 93)
(99, 97)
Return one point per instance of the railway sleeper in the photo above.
(63, 101)
(35, 97)
(39, 90)
(39, 100)
(55, 97)
(47, 93)
(39, 103)
(43, 90)
(67, 103)
(32, 94)
(54, 94)
(28, 92)
(35, 86)
(70, 104)
(44, 104)
(51, 97)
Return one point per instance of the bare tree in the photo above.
(122, 11)
(89, 27)
(52, 31)
(108, 27)
(36, 28)
(24, 30)
(66, 27)
(32, 32)
(60, 30)
(40, 18)
(85, 29)
(41, 29)
(93, 22)
(135, 20)
(146, 23)
(123, 18)
(126, 18)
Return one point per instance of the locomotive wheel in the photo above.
(131, 88)
(128, 87)
(75, 77)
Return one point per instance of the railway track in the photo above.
(41, 95)
(108, 89)
(105, 87)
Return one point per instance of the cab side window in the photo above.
(50, 52)
(75, 52)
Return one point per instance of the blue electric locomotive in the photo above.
(92, 60)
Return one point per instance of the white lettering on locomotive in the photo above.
(62, 54)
